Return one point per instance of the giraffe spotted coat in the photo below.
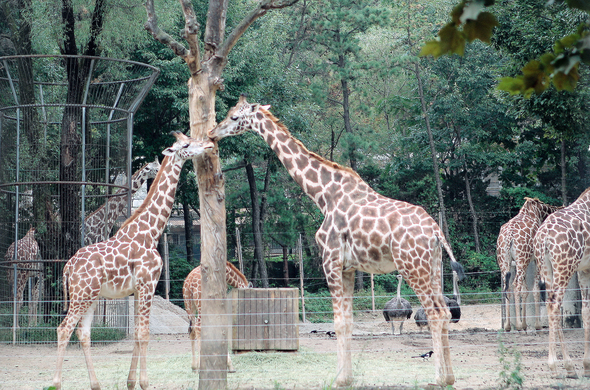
(362, 230)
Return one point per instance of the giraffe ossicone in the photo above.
(127, 263)
(515, 244)
(562, 247)
(191, 292)
(362, 230)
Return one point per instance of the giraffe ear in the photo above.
(265, 107)
(169, 151)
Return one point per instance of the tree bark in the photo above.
(472, 210)
(441, 202)
(206, 70)
(256, 226)
(188, 231)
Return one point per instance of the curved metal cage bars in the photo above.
(66, 126)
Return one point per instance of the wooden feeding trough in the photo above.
(265, 319)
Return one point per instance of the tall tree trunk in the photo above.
(286, 265)
(188, 231)
(206, 78)
(214, 334)
(472, 210)
(436, 170)
(256, 225)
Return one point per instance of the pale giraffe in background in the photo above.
(515, 244)
(362, 230)
(26, 255)
(99, 224)
(191, 291)
(127, 263)
(562, 247)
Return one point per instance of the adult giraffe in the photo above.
(515, 243)
(362, 230)
(27, 251)
(127, 263)
(191, 292)
(562, 247)
(99, 223)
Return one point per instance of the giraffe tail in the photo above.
(455, 265)
(543, 290)
(66, 278)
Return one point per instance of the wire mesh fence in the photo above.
(66, 125)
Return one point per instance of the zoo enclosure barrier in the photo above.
(66, 126)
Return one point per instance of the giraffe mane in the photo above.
(583, 193)
(237, 271)
(321, 159)
(150, 194)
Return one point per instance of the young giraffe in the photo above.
(28, 251)
(362, 230)
(97, 225)
(562, 247)
(515, 243)
(127, 263)
(191, 291)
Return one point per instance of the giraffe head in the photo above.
(151, 169)
(186, 147)
(239, 119)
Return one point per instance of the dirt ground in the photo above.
(380, 360)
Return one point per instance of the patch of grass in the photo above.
(47, 333)
(511, 376)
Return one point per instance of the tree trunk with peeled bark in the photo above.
(206, 68)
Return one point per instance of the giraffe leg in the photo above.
(64, 332)
(143, 305)
(584, 281)
(83, 333)
(342, 305)
(439, 318)
(537, 299)
(556, 334)
(34, 303)
(519, 301)
(195, 337)
(506, 294)
(21, 283)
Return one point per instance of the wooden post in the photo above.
(166, 267)
(239, 250)
(300, 253)
(372, 293)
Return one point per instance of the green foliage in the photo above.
(475, 23)
(511, 376)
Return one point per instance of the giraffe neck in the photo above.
(325, 182)
(97, 226)
(151, 217)
(234, 277)
(583, 201)
(537, 210)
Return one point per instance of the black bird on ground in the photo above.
(425, 355)
(454, 305)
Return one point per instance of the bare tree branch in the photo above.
(259, 11)
(159, 35)
(191, 35)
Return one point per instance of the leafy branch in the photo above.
(470, 21)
